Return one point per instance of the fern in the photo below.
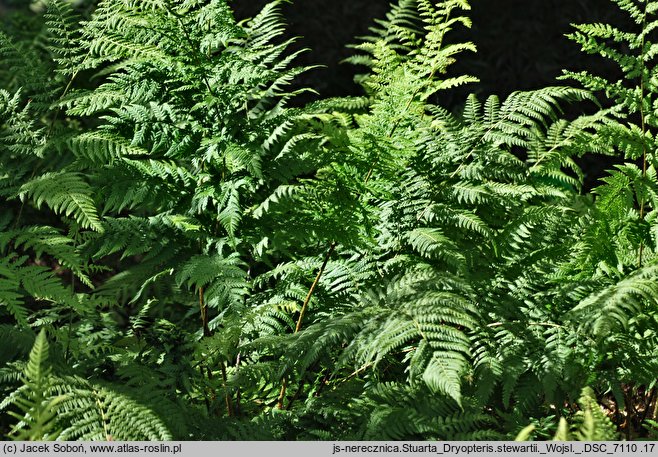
(39, 410)
(213, 259)
(71, 408)
(589, 424)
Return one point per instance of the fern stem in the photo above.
(69, 329)
(205, 394)
(359, 370)
(397, 122)
(284, 384)
(66, 91)
(227, 397)
(238, 393)
(296, 394)
(282, 394)
(649, 399)
(213, 393)
(313, 286)
(630, 412)
(108, 437)
(20, 210)
(203, 307)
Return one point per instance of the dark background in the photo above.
(521, 44)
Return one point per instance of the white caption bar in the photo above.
(336, 449)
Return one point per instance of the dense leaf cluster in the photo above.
(188, 255)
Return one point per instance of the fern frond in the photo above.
(37, 420)
(65, 193)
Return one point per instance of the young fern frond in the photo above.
(37, 420)
(72, 408)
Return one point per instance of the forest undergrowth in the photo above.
(187, 252)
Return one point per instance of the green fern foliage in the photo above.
(205, 256)
(71, 408)
(590, 423)
(36, 420)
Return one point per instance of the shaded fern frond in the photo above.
(65, 193)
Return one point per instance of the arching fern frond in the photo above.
(65, 193)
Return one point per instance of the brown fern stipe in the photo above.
(332, 246)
